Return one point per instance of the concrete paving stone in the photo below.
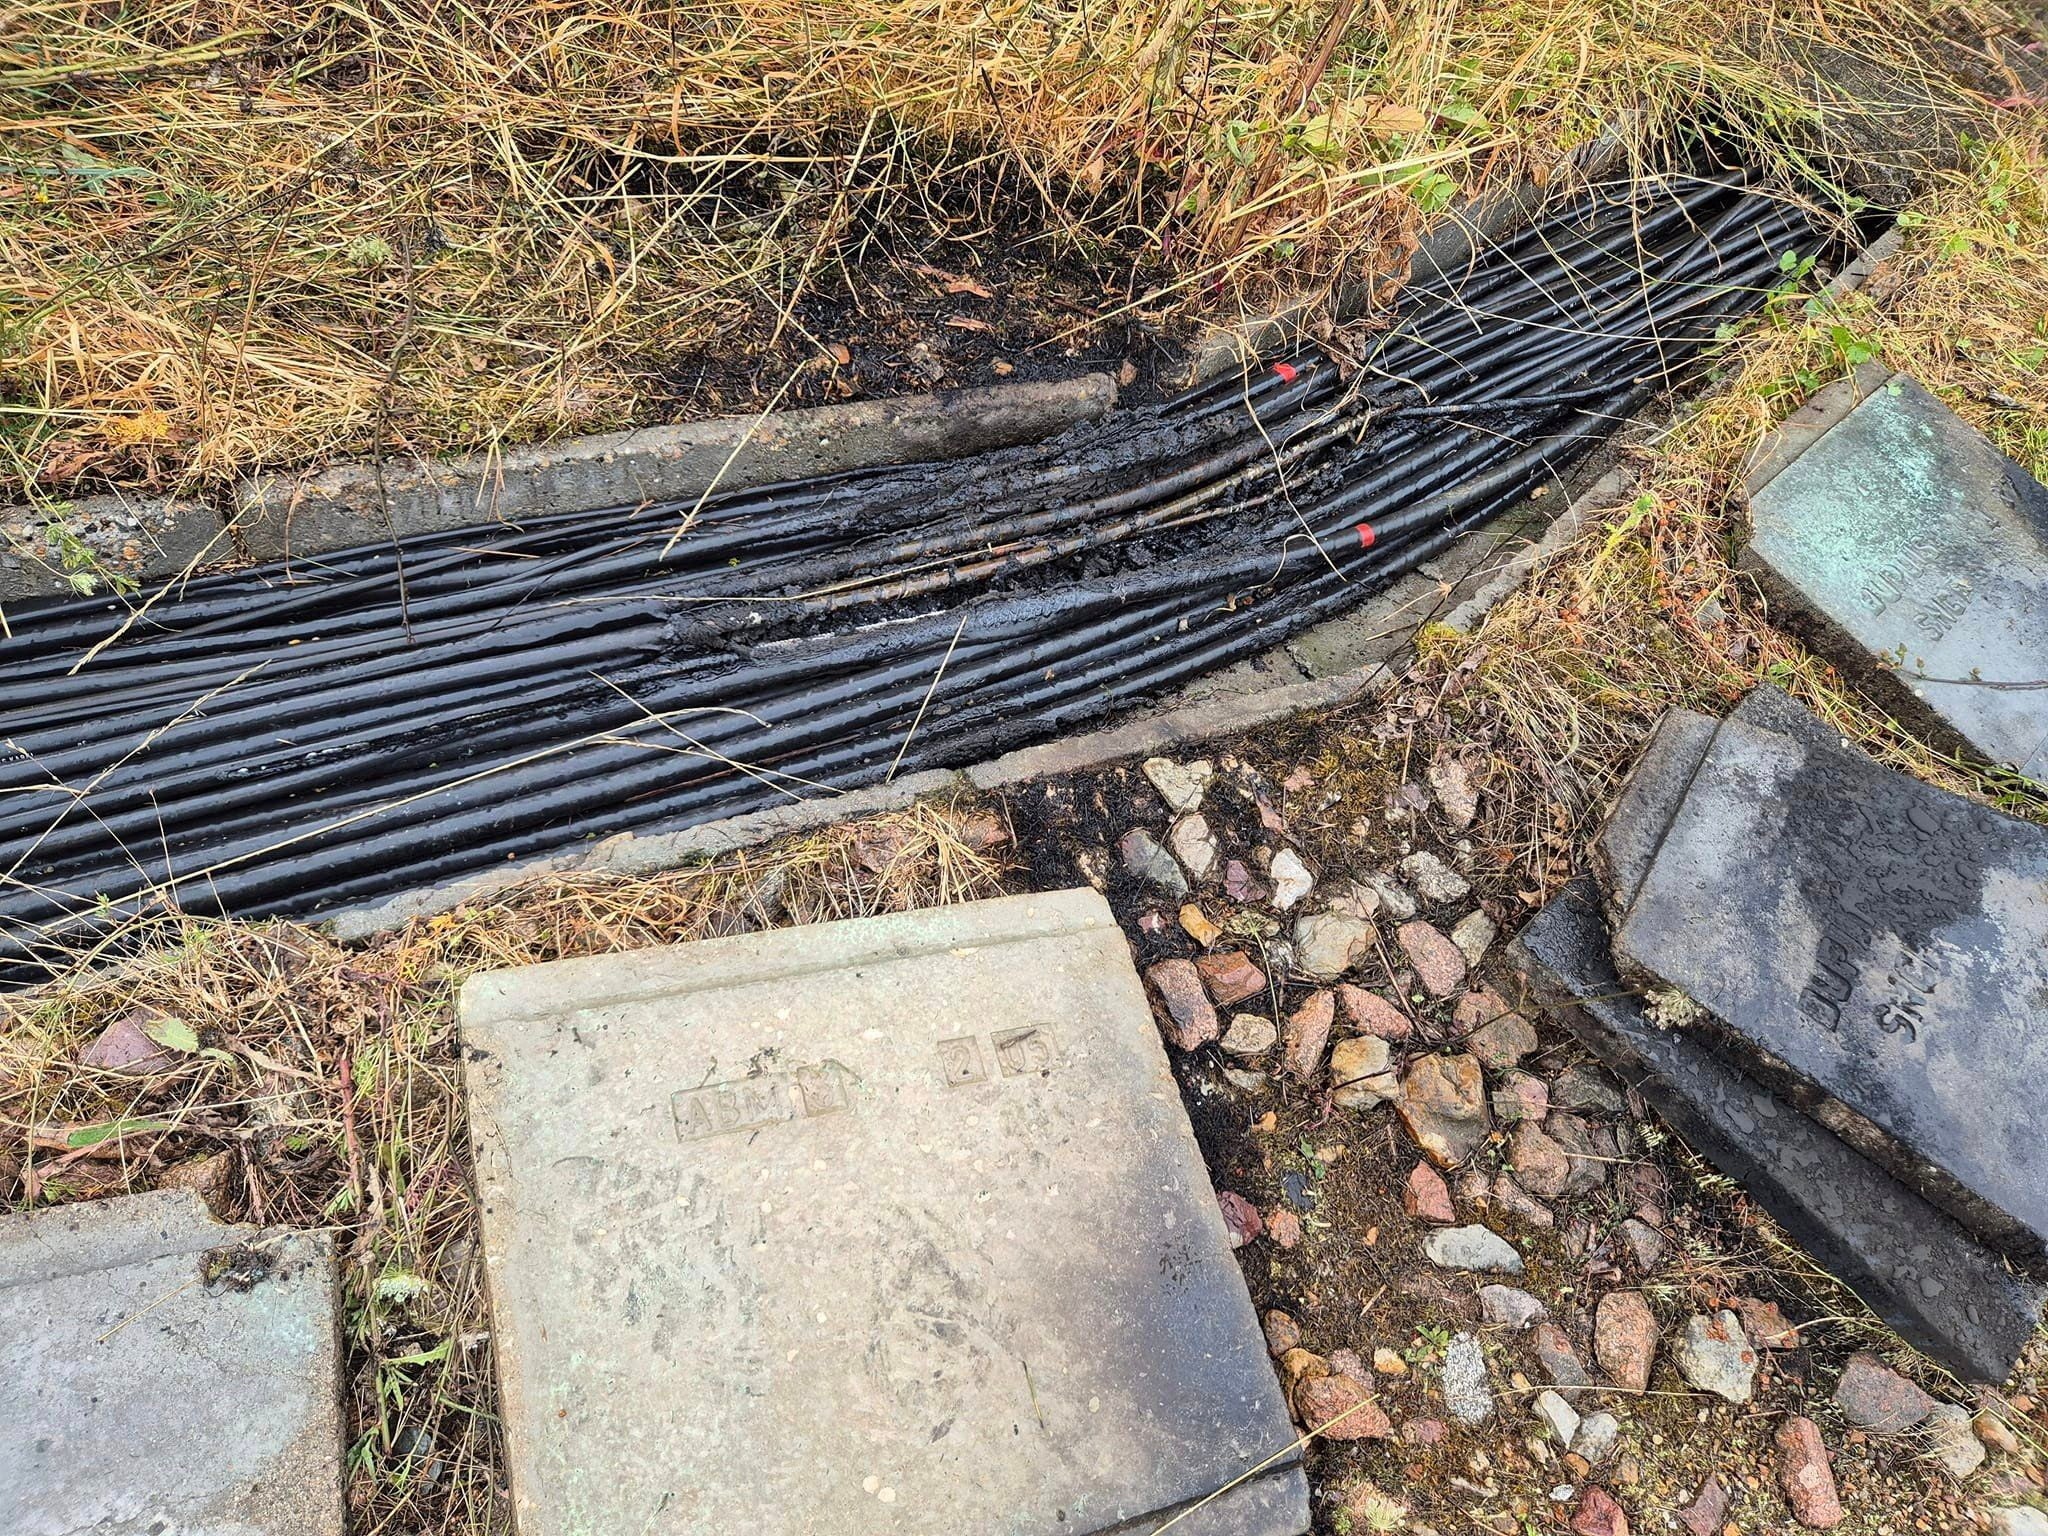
(1919, 555)
(167, 1373)
(1874, 947)
(1944, 1293)
(894, 1224)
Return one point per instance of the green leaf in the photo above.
(173, 1035)
(93, 1135)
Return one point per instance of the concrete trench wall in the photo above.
(1349, 659)
(1342, 660)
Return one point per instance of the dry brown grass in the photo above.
(1646, 611)
(235, 234)
(324, 1092)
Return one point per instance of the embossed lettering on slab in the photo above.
(748, 1103)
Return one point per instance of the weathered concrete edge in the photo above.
(171, 536)
(285, 515)
(273, 516)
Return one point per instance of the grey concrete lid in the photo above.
(894, 1224)
(1875, 944)
(1919, 556)
(167, 1373)
(1945, 1294)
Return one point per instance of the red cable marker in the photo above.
(1287, 372)
(1366, 536)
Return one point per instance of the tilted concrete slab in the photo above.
(1944, 1293)
(1917, 554)
(167, 1373)
(1875, 948)
(888, 1225)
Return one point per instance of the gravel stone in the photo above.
(1151, 863)
(1875, 1397)
(1195, 846)
(1230, 976)
(1250, 1035)
(1291, 879)
(1306, 1037)
(1342, 1407)
(1437, 962)
(1589, 1165)
(1492, 1031)
(1540, 1164)
(1558, 1359)
(1520, 1204)
(1805, 1476)
(1326, 943)
(1472, 1247)
(1519, 1096)
(1433, 879)
(1179, 785)
(2017, 1520)
(1468, 1391)
(1474, 934)
(1557, 1416)
(1191, 1016)
(1625, 1339)
(1576, 1088)
(1371, 1014)
(1715, 1356)
(1426, 1197)
(1596, 1438)
(1703, 1515)
(1955, 1442)
(1443, 1103)
(1645, 1245)
(1394, 898)
(1599, 1514)
(1451, 782)
(1508, 1307)
(1360, 1073)
(1283, 1333)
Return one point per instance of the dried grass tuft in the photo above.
(239, 235)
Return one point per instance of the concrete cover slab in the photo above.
(1945, 1294)
(167, 1373)
(1627, 842)
(894, 1225)
(1874, 947)
(1920, 554)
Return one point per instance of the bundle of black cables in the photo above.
(401, 714)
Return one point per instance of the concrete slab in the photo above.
(1918, 555)
(167, 1373)
(1876, 949)
(1946, 1295)
(894, 1225)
